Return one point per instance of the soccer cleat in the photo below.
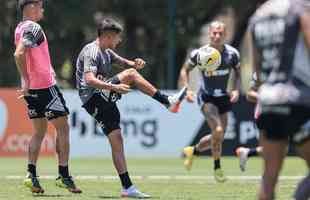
(242, 153)
(32, 182)
(219, 175)
(67, 183)
(175, 100)
(189, 157)
(133, 192)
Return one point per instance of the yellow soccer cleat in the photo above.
(33, 184)
(219, 175)
(67, 183)
(189, 157)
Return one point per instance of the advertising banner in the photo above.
(16, 128)
(148, 128)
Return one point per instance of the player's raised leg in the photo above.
(133, 77)
(190, 151)
(245, 153)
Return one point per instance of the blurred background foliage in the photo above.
(159, 31)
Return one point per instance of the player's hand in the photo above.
(121, 88)
(190, 96)
(234, 96)
(23, 92)
(139, 63)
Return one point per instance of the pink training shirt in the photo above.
(38, 63)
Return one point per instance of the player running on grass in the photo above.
(99, 90)
(215, 102)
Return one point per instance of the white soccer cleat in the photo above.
(243, 153)
(133, 192)
(175, 100)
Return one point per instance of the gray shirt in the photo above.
(93, 59)
(284, 57)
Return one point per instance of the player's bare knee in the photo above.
(131, 74)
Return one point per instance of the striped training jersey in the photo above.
(283, 55)
(38, 63)
(99, 61)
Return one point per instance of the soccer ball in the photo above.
(208, 59)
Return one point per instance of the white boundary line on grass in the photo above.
(156, 177)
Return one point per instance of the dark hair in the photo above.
(23, 3)
(109, 24)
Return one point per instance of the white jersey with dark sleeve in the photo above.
(214, 83)
(33, 35)
(93, 59)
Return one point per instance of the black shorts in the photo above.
(48, 103)
(285, 122)
(222, 103)
(106, 113)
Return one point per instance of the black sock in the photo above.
(125, 179)
(32, 170)
(196, 152)
(252, 152)
(63, 171)
(217, 164)
(161, 98)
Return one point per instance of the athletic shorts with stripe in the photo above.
(102, 106)
(48, 103)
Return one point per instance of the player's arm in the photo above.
(235, 93)
(90, 69)
(20, 60)
(252, 94)
(305, 26)
(31, 37)
(124, 63)
(92, 81)
(184, 77)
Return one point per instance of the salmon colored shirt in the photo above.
(39, 69)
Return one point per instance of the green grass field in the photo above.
(162, 178)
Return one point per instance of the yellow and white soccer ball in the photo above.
(208, 59)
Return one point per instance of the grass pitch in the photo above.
(162, 178)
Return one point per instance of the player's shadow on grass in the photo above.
(118, 197)
(51, 195)
(108, 197)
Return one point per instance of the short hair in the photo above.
(23, 3)
(217, 24)
(109, 24)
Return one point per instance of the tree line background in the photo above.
(159, 31)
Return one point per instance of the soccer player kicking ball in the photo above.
(215, 102)
(44, 100)
(99, 90)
